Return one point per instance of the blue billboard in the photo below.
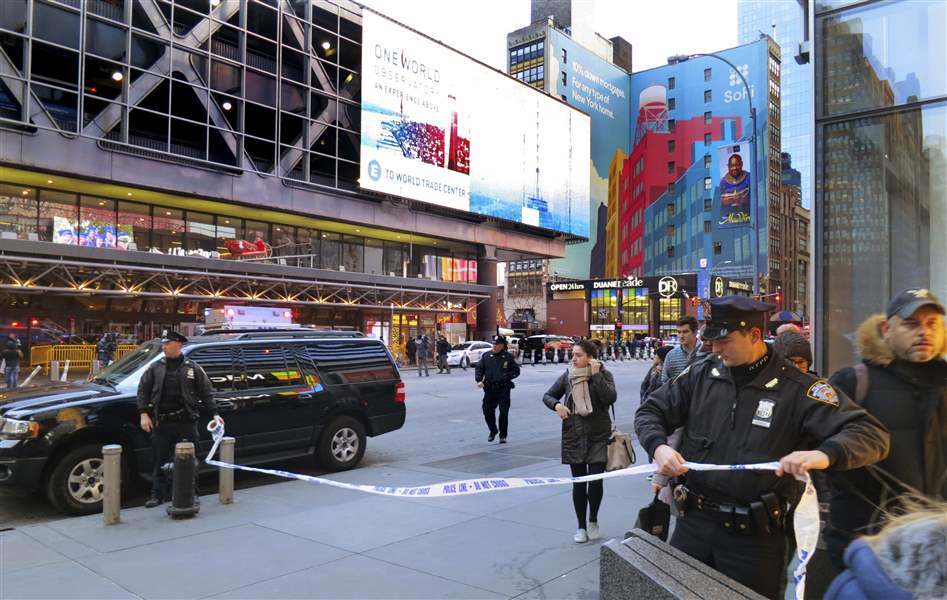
(595, 86)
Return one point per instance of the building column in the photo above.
(487, 310)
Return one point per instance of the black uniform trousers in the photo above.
(163, 439)
(493, 399)
(757, 561)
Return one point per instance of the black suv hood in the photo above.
(33, 399)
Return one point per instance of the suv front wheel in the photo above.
(76, 485)
(342, 444)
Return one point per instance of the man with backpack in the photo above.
(901, 381)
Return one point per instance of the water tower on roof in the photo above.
(653, 111)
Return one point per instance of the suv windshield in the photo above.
(116, 372)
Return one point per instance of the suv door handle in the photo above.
(224, 404)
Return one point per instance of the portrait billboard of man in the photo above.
(735, 182)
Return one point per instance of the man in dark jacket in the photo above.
(747, 404)
(11, 355)
(495, 374)
(652, 381)
(171, 396)
(422, 345)
(443, 348)
(902, 381)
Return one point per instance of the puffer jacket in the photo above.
(910, 400)
(585, 439)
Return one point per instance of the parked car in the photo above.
(467, 353)
(281, 393)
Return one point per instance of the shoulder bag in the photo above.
(621, 452)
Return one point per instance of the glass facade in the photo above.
(527, 63)
(28, 213)
(881, 133)
(756, 16)
(258, 85)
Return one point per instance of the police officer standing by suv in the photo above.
(495, 374)
(171, 394)
(748, 404)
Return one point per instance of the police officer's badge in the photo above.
(764, 413)
(190, 372)
(823, 391)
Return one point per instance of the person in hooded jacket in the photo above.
(581, 397)
(901, 381)
(652, 381)
(907, 560)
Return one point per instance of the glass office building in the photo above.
(756, 17)
(881, 149)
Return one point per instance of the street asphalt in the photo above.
(292, 539)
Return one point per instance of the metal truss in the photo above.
(23, 274)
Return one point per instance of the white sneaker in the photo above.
(593, 530)
(580, 537)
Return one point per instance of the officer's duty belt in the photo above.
(764, 516)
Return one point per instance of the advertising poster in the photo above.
(734, 185)
(599, 88)
(440, 128)
(64, 231)
(91, 233)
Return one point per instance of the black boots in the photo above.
(153, 501)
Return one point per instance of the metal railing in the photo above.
(79, 355)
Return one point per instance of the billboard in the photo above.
(735, 175)
(593, 85)
(440, 128)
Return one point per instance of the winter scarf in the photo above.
(581, 398)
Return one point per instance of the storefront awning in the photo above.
(29, 267)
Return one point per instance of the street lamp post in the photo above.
(754, 218)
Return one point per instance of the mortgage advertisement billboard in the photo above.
(441, 128)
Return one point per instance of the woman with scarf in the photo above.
(581, 397)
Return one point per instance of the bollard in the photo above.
(65, 372)
(184, 482)
(27, 381)
(111, 484)
(96, 367)
(54, 370)
(226, 475)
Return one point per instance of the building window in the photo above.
(707, 226)
(707, 74)
(671, 209)
(671, 188)
(563, 97)
(565, 78)
(708, 183)
(707, 139)
(671, 167)
(718, 248)
(670, 83)
(670, 251)
(708, 96)
(672, 125)
(565, 56)
(708, 118)
(671, 145)
(708, 162)
(671, 104)
(671, 231)
(708, 204)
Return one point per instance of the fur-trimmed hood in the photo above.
(871, 345)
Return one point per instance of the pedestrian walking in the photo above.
(411, 350)
(423, 346)
(105, 349)
(11, 355)
(581, 397)
(652, 380)
(746, 404)
(172, 394)
(684, 354)
(494, 374)
(902, 381)
(443, 348)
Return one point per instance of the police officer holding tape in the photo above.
(171, 394)
(748, 404)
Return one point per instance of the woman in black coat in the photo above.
(581, 397)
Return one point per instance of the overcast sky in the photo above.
(656, 28)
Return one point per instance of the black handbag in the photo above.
(655, 519)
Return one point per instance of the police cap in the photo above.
(173, 336)
(499, 339)
(734, 313)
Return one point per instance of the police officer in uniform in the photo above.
(747, 404)
(171, 394)
(495, 374)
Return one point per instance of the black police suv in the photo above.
(281, 393)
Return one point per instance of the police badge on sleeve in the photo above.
(764, 413)
(823, 391)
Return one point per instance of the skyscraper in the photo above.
(783, 20)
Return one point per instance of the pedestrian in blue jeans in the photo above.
(11, 355)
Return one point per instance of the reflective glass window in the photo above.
(18, 216)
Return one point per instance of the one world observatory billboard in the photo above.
(441, 128)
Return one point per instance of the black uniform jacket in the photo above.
(196, 388)
(497, 370)
(780, 411)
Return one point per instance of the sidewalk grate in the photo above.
(484, 463)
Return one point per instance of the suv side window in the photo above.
(351, 361)
(217, 362)
(264, 366)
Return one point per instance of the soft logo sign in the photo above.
(667, 286)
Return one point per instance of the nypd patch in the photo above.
(823, 391)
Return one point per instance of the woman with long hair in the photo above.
(581, 397)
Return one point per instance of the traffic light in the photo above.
(777, 298)
(695, 301)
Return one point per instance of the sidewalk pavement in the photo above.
(300, 540)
